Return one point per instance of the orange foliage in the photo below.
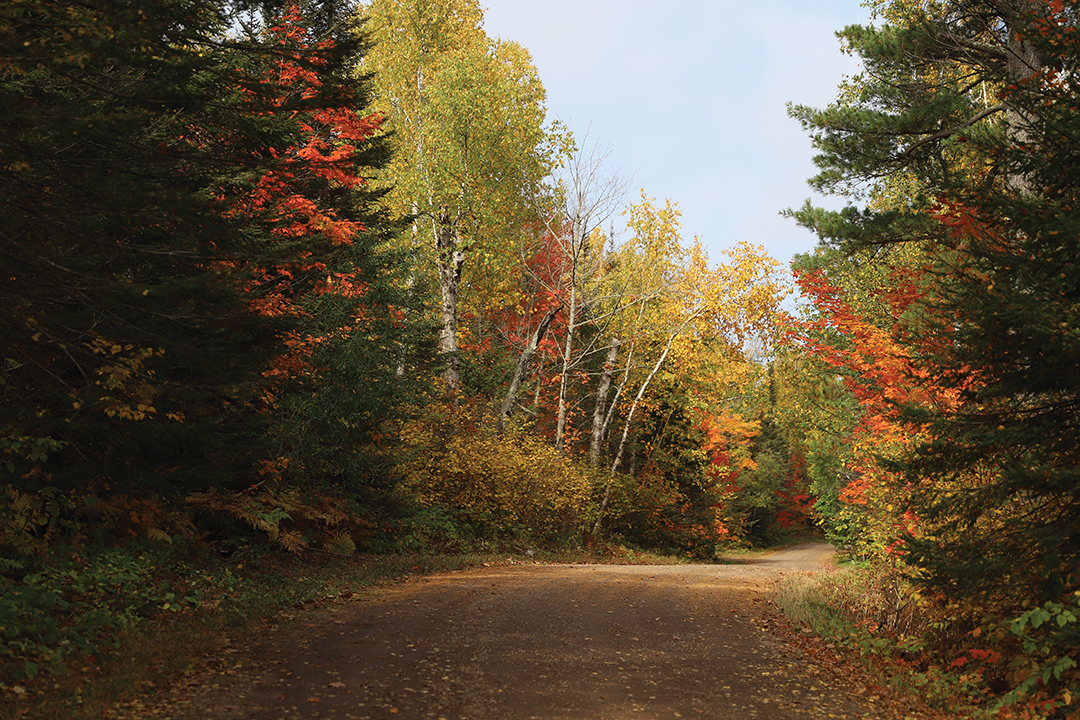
(728, 437)
(327, 151)
(798, 505)
(882, 375)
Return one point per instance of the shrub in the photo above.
(80, 601)
(512, 484)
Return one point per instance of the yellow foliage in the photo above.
(126, 384)
(341, 543)
(514, 480)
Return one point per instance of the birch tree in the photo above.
(468, 115)
(590, 195)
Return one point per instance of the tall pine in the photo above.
(962, 134)
(175, 199)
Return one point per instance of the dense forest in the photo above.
(322, 277)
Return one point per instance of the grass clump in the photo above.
(874, 615)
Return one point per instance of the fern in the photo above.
(286, 516)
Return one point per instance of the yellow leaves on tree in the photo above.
(126, 384)
(737, 302)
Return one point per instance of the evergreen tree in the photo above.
(167, 221)
(963, 135)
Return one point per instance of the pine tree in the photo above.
(155, 254)
(962, 133)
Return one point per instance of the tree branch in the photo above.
(942, 134)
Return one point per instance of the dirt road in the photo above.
(547, 642)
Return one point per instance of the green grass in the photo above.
(819, 603)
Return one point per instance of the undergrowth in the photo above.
(874, 615)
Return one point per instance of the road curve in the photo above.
(547, 642)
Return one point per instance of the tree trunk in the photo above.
(450, 261)
(568, 349)
(626, 431)
(539, 385)
(619, 389)
(522, 364)
(599, 412)
(1023, 62)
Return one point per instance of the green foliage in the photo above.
(674, 502)
(290, 518)
(962, 136)
(874, 614)
(77, 602)
(759, 500)
(29, 522)
(197, 287)
(1047, 669)
(367, 367)
(651, 511)
(1003, 462)
(35, 449)
(115, 300)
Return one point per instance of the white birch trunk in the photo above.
(450, 260)
(522, 364)
(599, 412)
(626, 429)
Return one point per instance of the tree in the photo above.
(119, 299)
(523, 362)
(467, 113)
(169, 194)
(984, 126)
(994, 227)
(619, 291)
(882, 376)
(341, 379)
(590, 196)
(708, 313)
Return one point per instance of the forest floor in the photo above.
(544, 641)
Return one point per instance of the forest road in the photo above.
(571, 642)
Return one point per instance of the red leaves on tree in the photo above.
(797, 504)
(326, 147)
(880, 371)
(290, 196)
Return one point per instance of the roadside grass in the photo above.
(224, 597)
(873, 617)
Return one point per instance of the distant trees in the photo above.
(233, 233)
(321, 275)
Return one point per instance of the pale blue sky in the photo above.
(690, 97)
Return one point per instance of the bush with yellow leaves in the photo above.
(513, 483)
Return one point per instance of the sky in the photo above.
(689, 97)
